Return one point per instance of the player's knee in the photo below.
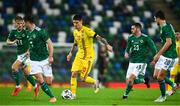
(155, 77)
(130, 82)
(14, 69)
(26, 72)
(39, 78)
(172, 76)
(160, 78)
(83, 79)
(49, 83)
(74, 74)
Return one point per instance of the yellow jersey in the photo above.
(84, 40)
(178, 47)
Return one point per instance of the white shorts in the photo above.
(23, 58)
(41, 67)
(175, 62)
(136, 69)
(164, 63)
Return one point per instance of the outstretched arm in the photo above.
(104, 41)
(71, 51)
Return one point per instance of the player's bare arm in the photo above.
(104, 41)
(50, 49)
(71, 52)
(163, 49)
(9, 42)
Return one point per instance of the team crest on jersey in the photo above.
(82, 35)
(23, 35)
(78, 37)
(132, 41)
(34, 36)
(141, 41)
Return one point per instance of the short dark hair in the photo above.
(138, 25)
(18, 18)
(160, 14)
(77, 17)
(29, 18)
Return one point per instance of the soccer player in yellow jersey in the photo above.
(176, 69)
(83, 38)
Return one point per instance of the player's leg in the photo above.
(84, 74)
(147, 80)
(162, 85)
(74, 75)
(140, 72)
(76, 67)
(29, 86)
(47, 72)
(48, 80)
(31, 80)
(16, 77)
(45, 87)
(36, 70)
(173, 73)
(129, 85)
(160, 68)
(129, 80)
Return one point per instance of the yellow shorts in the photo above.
(175, 70)
(83, 66)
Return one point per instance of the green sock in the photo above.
(46, 89)
(128, 89)
(16, 77)
(168, 81)
(139, 80)
(31, 79)
(162, 86)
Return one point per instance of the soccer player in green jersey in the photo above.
(137, 53)
(41, 55)
(18, 36)
(166, 56)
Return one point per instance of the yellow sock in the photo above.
(169, 87)
(90, 80)
(29, 86)
(73, 85)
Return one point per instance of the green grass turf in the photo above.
(85, 96)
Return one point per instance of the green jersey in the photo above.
(138, 48)
(38, 44)
(22, 41)
(167, 31)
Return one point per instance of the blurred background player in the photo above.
(103, 60)
(41, 55)
(136, 51)
(83, 38)
(176, 69)
(166, 56)
(19, 36)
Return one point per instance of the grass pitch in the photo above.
(86, 96)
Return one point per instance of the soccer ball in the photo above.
(66, 94)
